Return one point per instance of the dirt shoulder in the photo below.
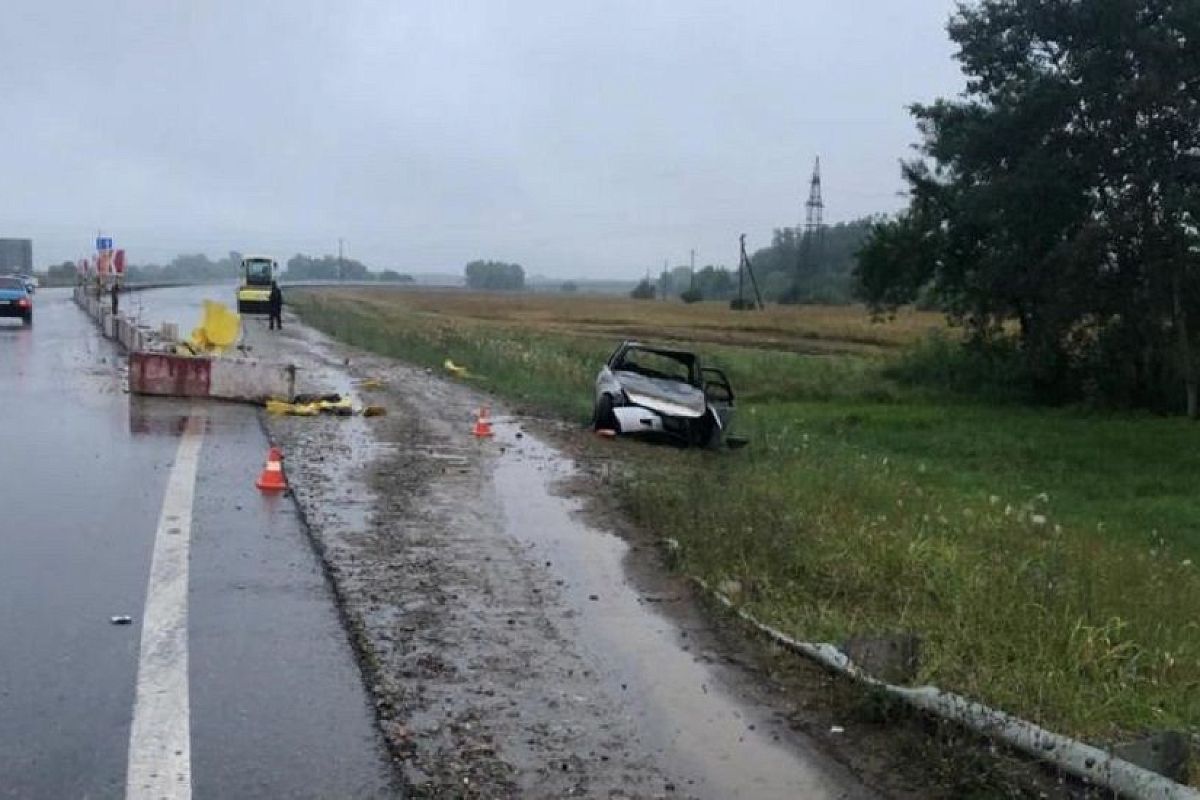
(522, 640)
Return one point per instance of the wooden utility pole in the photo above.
(741, 271)
(745, 266)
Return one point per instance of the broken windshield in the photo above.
(658, 364)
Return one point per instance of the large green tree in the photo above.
(1059, 194)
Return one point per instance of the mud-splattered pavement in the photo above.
(518, 647)
(510, 649)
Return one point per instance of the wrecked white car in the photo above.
(660, 391)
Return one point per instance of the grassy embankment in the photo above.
(1048, 557)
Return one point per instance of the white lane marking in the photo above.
(160, 758)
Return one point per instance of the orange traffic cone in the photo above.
(272, 479)
(483, 425)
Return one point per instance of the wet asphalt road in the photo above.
(277, 707)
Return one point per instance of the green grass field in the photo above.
(1048, 557)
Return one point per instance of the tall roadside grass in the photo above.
(1023, 601)
(554, 372)
(1048, 558)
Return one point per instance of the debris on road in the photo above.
(283, 407)
(454, 369)
(331, 397)
(316, 405)
(121, 619)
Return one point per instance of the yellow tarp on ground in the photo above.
(341, 408)
(219, 329)
(292, 409)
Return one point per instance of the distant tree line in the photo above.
(189, 267)
(302, 267)
(199, 268)
(709, 283)
(494, 275)
(789, 270)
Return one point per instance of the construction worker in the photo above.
(275, 307)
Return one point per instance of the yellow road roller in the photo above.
(257, 274)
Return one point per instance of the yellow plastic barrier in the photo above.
(219, 329)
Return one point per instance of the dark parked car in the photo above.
(15, 299)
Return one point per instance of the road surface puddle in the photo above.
(727, 747)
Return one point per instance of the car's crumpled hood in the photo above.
(673, 398)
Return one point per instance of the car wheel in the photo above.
(603, 416)
(706, 433)
(27, 319)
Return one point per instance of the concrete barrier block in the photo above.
(254, 381)
(169, 375)
(222, 378)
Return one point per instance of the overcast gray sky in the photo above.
(576, 138)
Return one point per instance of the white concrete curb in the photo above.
(1084, 761)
